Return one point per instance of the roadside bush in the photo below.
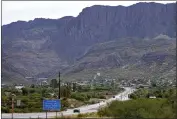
(140, 108)
(5, 109)
(16, 110)
(78, 96)
(102, 97)
(80, 115)
(31, 90)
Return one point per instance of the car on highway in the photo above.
(76, 111)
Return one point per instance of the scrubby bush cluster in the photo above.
(164, 106)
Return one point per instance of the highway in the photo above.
(83, 109)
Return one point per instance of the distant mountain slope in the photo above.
(10, 73)
(98, 24)
(128, 58)
(28, 45)
(41, 47)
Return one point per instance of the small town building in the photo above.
(19, 87)
(152, 97)
(3, 85)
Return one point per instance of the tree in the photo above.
(74, 87)
(65, 103)
(32, 86)
(66, 91)
(79, 88)
(53, 83)
(24, 91)
(154, 84)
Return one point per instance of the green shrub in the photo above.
(139, 108)
(5, 109)
(80, 97)
(102, 97)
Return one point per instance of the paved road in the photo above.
(83, 109)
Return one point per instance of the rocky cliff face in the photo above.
(47, 45)
(28, 46)
(128, 58)
(104, 23)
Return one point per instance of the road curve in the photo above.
(83, 109)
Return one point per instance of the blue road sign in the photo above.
(51, 105)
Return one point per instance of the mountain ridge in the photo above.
(48, 45)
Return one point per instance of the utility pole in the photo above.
(12, 105)
(58, 89)
(59, 86)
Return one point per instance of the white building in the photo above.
(152, 97)
(19, 87)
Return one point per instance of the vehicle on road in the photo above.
(113, 96)
(86, 109)
(76, 111)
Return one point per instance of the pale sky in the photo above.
(13, 11)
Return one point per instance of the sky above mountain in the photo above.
(13, 11)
